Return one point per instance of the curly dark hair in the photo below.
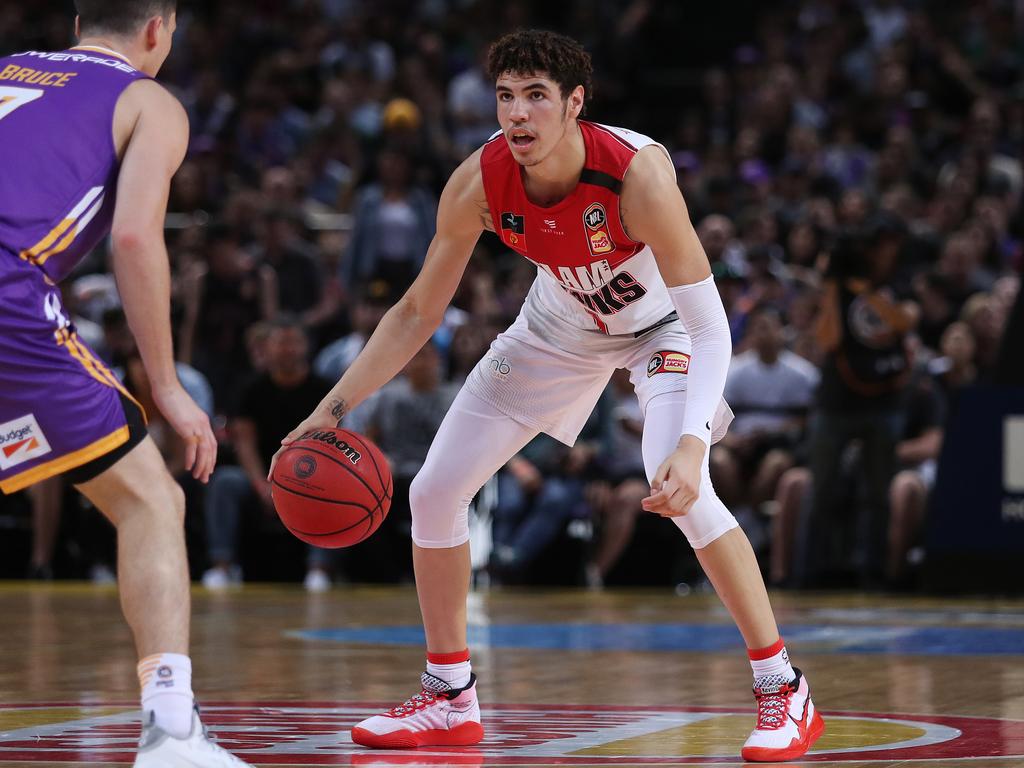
(533, 51)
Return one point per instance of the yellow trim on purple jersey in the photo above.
(93, 366)
(45, 248)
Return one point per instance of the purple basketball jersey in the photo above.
(60, 406)
(57, 153)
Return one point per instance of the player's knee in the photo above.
(707, 520)
(176, 500)
(439, 510)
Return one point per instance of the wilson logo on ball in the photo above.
(331, 438)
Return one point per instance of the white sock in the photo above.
(453, 668)
(773, 660)
(166, 680)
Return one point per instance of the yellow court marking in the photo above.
(724, 734)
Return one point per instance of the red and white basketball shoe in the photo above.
(787, 721)
(439, 715)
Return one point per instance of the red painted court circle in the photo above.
(316, 733)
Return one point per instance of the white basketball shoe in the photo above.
(787, 721)
(158, 749)
(437, 716)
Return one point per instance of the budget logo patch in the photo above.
(20, 441)
(666, 361)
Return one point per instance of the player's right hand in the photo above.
(320, 418)
(192, 425)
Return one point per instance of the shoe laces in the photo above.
(773, 693)
(415, 703)
(433, 689)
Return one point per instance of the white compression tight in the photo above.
(708, 518)
(475, 440)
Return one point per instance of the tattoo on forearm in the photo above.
(338, 410)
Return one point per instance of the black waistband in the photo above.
(664, 321)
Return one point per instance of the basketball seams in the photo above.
(296, 531)
(285, 488)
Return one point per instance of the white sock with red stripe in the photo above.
(453, 668)
(166, 680)
(773, 660)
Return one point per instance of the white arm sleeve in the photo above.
(701, 312)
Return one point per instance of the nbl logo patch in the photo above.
(595, 217)
(20, 441)
(665, 361)
(596, 220)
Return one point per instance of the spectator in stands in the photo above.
(771, 391)
(280, 246)
(367, 310)
(266, 406)
(917, 456)
(394, 223)
(955, 369)
(540, 492)
(863, 329)
(616, 497)
(471, 105)
(222, 297)
(402, 419)
(986, 317)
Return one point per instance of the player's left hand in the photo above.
(676, 484)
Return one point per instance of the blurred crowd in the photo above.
(853, 171)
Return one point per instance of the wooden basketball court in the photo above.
(566, 677)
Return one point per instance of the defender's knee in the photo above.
(176, 498)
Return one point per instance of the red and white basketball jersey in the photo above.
(590, 274)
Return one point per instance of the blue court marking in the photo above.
(811, 638)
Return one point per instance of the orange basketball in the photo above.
(332, 488)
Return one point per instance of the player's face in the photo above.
(534, 115)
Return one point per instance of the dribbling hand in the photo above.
(327, 415)
(193, 426)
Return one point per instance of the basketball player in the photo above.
(622, 283)
(88, 145)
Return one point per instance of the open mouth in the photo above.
(521, 139)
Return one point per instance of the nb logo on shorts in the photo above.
(500, 367)
(20, 441)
